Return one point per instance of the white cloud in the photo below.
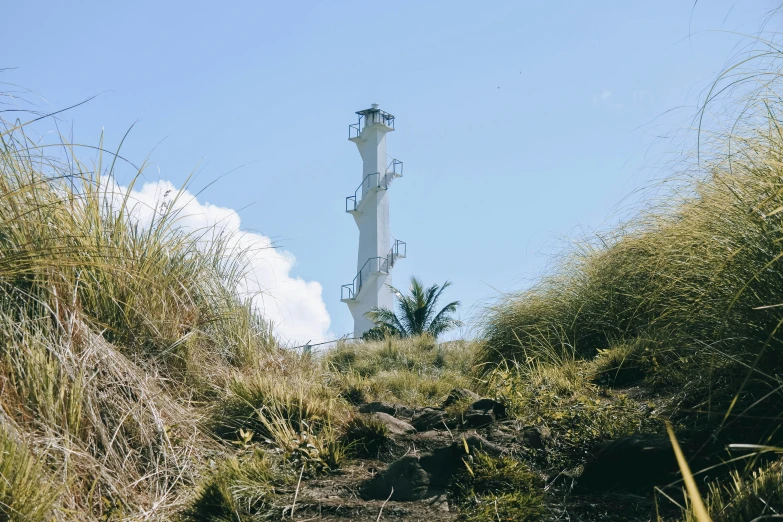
(294, 305)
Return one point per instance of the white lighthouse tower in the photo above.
(369, 206)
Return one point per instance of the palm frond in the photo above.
(415, 311)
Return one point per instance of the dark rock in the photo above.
(478, 419)
(416, 478)
(534, 437)
(500, 434)
(395, 410)
(441, 464)
(477, 442)
(498, 409)
(429, 419)
(430, 435)
(393, 425)
(634, 463)
(405, 476)
(425, 476)
(458, 395)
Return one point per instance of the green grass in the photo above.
(499, 489)
(110, 329)
(366, 437)
(414, 371)
(745, 496)
(26, 491)
(240, 489)
(561, 399)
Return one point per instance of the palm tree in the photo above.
(416, 313)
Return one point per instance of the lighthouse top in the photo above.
(371, 116)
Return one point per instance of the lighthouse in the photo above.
(369, 206)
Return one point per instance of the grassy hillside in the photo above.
(136, 383)
(681, 306)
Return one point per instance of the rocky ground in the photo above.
(410, 474)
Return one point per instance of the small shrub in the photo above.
(253, 401)
(560, 398)
(26, 493)
(745, 496)
(379, 333)
(366, 436)
(417, 389)
(619, 366)
(498, 488)
(485, 474)
(239, 489)
(508, 507)
(352, 387)
(416, 371)
(342, 357)
(313, 450)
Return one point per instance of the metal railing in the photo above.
(395, 168)
(374, 265)
(352, 289)
(382, 117)
(373, 116)
(399, 249)
(369, 183)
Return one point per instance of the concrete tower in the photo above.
(369, 206)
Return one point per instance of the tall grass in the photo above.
(72, 241)
(689, 292)
(26, 492)
(111, 326)
(684, 300)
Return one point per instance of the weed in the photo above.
(492, 488)
(561, 399)
(366, 436)
(243, 489)
(255, 401)
(26, 492)
(745, 496)
(413, 371)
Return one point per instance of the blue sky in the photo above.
(520, 123)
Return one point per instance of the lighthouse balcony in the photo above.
(369, 117)
(399, 250)
(371, 184)
(371, 269)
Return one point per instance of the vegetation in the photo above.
(243, 489)
(498, 489)
(414, 371)
(416, 315)
(25, 490)
(115, 335)
(680, 306)
(745, 496)
(137, 383)
(366, 436)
